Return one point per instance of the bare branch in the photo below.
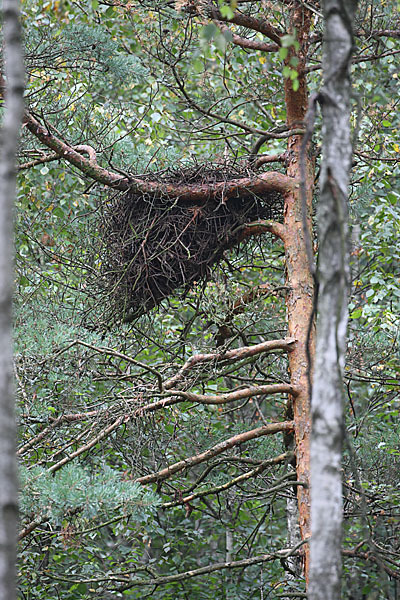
(358, 59)
(268, 158)
(88, 150)
(236, 354)
(39, 161)
(244, 42)
(31, 526)
(110, 352)
(249, 22)
(221, 119)
(33, 441)
(372, 557)
(55, 156)
(261, 390)
(259, 227)
(394, 33)
(215, 450)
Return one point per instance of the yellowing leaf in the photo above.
(262, 60)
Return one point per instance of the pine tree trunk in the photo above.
(299, 300)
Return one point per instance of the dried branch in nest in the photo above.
(152, 245)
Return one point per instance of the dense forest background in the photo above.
(186, 96)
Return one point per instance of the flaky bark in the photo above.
(299, 300)
(14, 85)
(333, 277)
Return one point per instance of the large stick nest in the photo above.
(152, 245)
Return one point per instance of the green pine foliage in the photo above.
(101, 74)
(92, 494)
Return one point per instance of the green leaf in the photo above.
(208, 31)
(220, 42)
(24, 281)
(287, 41)
(227, 33)
(283, 52)
(58, 211)
(356, 314)
(198, 65)
(227, 12)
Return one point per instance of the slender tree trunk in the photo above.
(299, 300)
(333, 278)
(13, 82)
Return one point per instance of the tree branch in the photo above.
(225, 486)
(236, 354)
(240, 564)
(90, 168)
(215, 450)
(261, 390)
(270, 181)
(55, 156)
(249, 22)
(244, 42)
(31, 526)
(263, 159)
(103, 434)
(39, 161)
(111, 352)
(259, 227)
(220, 119)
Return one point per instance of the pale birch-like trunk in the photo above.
(12, 83)
(333, 278)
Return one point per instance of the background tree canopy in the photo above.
(162, 388)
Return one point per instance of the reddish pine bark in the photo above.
(299, 300)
